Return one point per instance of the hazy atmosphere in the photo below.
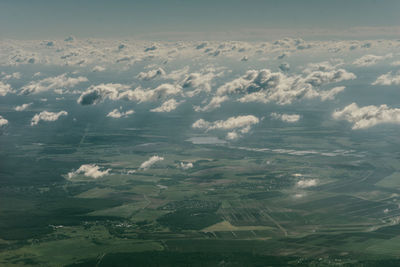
(207, 133)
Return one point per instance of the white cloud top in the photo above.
(150, 162)
(286, 117)
(186, 166)
(388, 79)
(116, 114)
(266, 86)
(167, 106)
(241, 124)
(4, 88)
(151, 74)
(3, 121)
(89, 170)
(368, 116)
(22, 107)
(369, 60)
(47, 116)
(307, 183)
(52, 83)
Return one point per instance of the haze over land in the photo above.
(246, 149)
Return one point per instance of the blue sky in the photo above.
(24, 19)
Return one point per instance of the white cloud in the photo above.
(167, 106)
(388, 79)
(240, 124)
(330, 94)
(368, 116)
(47, 116)
(22, 107)
(97, 93)
(52, 83)
(3, 121)
(14, 75)
(200, 82)
(186, 166)
(4, 88)
(116, 114)
(150, 162)
(114, 91)
(266, 86)
(286, 117)
(215, 102)
(307, 183)
(177, 74)
(98, 69)
(369, 60)
(89, 170)
(146, 95)
(151, 74)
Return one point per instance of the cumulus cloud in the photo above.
(4, 88)
(200, 82)
(215, 102)
(369, 60)
(150, 162)
(116, 114)
(388, 79)
(146, 95)
(186, 166)
(22, 107)
(98, 93)
(239, 124)
(368, 116)
(52, 83)
(167, 106)
(151, 74)
(307, 183)
(286, 117)
(14, 75)
(330, 94)
(89, 170)
(3, 121)
(47, 116)
(98, 69)
(266, 86)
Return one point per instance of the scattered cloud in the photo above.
(167, 106)
(3, 121)
(286, 117)
(52, 83)
(151, 74)
(116, 114)
(186, 166)
(89, 170)
(215, 103)
(150, 162)
(266, 86)
(22, 107)
(47, 116)
(239, 125)
(368, 116)
(5, 88)
(98, 93)
(388, 79)
(98, 69)
(369, 60)
(307, 183)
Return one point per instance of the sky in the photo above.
(230, 19)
